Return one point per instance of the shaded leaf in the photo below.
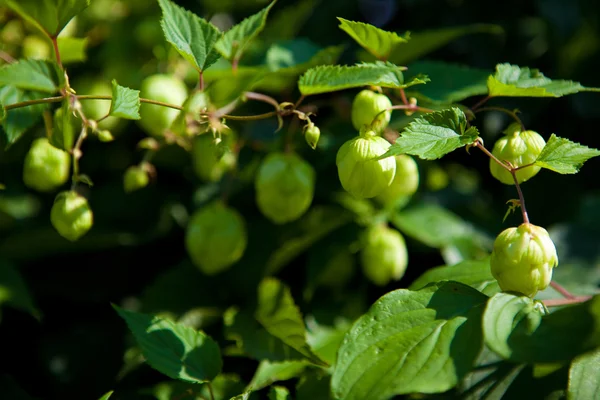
(584, 376)
(14, 291)
(51, 16)
(279, 393)
(269, 372)
(18, 120)
(376, 41)
(106, 396)
(72, 49)
(563, 156)
(64, 128)
(30, 74)
(125, 102)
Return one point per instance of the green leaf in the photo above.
(243, 396)
(50, 16)
(331, 78)
(450, 83)
(174, 349)
(279, 315)
(563, 156)
(287, 22)
(29, 74)
(269, 372)
(18, 120)
(223, 387)
(2, 113)
(106, 396)
(515, 328)
(72, 49)
(14, 291)
(514, 81)
(234, 41)
(279, 393)
(584, 376)
(193, 37)
(326, 340)
(411, 341)
(376, 41)
(434, 135)
(475, 273)
(64, 127)
(125, 102)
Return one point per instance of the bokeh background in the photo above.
(59, 336)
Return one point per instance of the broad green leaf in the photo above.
(411, 341)
(450, 83)
(475, 273)
(106, 396)
(437, 227)
(584, 376)
(174, 349)
(72, 49)
(516, 329)
(233, 43)
(193, 37)
(50, 16)
(279, 393)
(563, 156)
(279, 315)
(326, 340)
(514, 81)
(376, 41)
(331, 78)
(29, 74)
(125, 102)
(269, 372)
(14, 291)
(18, 120)
(65, 127)
(434, 135)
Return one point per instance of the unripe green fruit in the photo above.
(384, 256)
(36, 47)
(312, 135)
(360, 174)
(523, 258)
(135, 178)
(519, 148)
(165, 88)
(210, 162)
(285, 186)
(71, 215)
(46, 167)
(96, 109)
(405, 183)
(215, 238)
(366, 106)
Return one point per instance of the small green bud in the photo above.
(135, 178)
(523, 258)
(212, 160)
(157, 119)
(360, 174)
(366, 106)
(384, 256)
(405, 183)
(519, 148)
(46, 167)
(312, 135)
(105, 136)
(215, 238)
(285, 186)
(71, 215)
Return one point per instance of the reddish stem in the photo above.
(564, 302)
(560, 289)
(56, 52)
(480, 103)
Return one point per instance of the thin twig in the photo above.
(7, 58)
(403, 96)
(56, 52)
(480, 103)
(564, 302)
(504, 110)
(210, 391)
(560, 289)
(34, 102)
(521, 198)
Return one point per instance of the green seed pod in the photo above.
(71, 215)
(46, 167)
(519, 148)
(210, 160)
(360, 174)
(135, 178)
(215, 238)
(312, 135)
(285, 186)
(366, 106)
(523, 258)
(166, 88)
(405, 183)
(384, 256)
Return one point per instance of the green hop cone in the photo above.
(384, 256)
(360, 173)
(285, 186)
(215, 238)
(165, 88)
(523, 258)
(46, 167)
(135, 178)
(71, 215)
(519, 148)
(405, 183)
(312, 135)
(366, 106)
(209, 159)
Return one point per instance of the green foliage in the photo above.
(268, 373)
(14, 291)
(65, 127)
(583, 376)
(376, 41)
(106, 396)
(564, 156)
(38, 75)
(125, 102)
(72, 50)
(50, 16)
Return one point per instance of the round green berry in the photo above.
(384, 255)
(169, 89)
(405, 183)
(46, 167)
(366, 106)
(71, 215)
